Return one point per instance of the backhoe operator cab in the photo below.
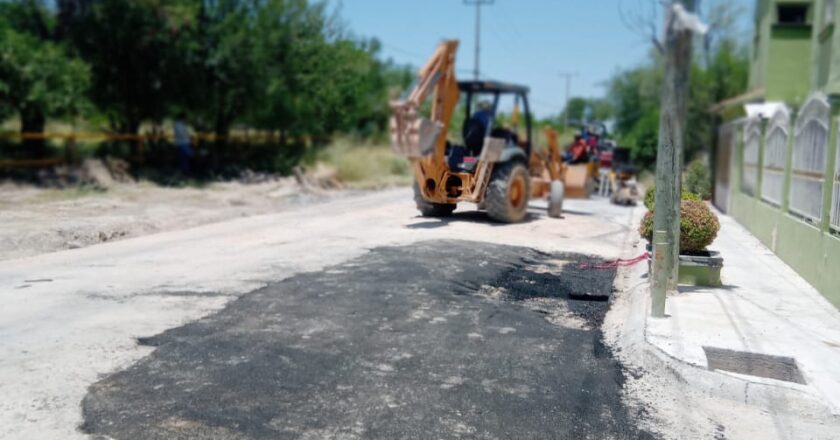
(482, 100)
(488, 165)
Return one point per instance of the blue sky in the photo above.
(523, 41)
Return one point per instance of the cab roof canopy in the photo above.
(491, 87)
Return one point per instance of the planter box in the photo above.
(701, 269)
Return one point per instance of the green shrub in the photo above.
(650, 197)
(698, 179)
(699, 226)
(363, 164)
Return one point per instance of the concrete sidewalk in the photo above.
(764, 307)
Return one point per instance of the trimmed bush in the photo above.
(698, 179)
(650, 197)
(646, 227)
(699, 226)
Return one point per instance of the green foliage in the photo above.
(580, 109)
(38, 77)
(366, 165)
(650, 197)
(646, 226)
(699, 226)
(635, 97)
(720, 71)
(698, 179)
(130, 48)
(278, 65)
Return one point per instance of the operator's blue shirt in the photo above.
(486, 118)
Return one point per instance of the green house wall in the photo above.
(811, 253)
(812, 250)
(789, 73)
(790, 62)
(782, 55)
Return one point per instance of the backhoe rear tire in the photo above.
(429, 209)
(507, 194)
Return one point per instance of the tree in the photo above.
(278, 65)
(635, 98)
(719, 71)
(318, 80)
(128, 44)
(282, 65)
(593, 109)
(217, 69)
(38, 78)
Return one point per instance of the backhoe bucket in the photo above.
(579, 182)
(413, 137)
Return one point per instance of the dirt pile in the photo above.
(320, 178)
(98, 174)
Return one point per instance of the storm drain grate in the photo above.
(754, 364)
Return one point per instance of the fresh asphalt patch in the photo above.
(436, 340)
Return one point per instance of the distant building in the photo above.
(777, 170)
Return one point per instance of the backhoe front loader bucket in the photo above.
(411, 136)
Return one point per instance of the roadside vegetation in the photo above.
(366, 163)
(719, 71)
(287, 69)
(287, 72)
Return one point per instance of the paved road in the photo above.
(355, 330)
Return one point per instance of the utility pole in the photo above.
(672, 121)
(478, 4)
(568, 76)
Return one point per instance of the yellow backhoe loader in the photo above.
(494, 167)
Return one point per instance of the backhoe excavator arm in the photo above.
(554, 161)
(423, 140)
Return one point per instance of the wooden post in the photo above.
(675, 88)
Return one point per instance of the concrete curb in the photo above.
(702, 401)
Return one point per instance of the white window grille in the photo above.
(752, 144)
(835, 200)
(809, 155)
(775, 157)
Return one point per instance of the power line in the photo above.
(553, 105)
(413, 55)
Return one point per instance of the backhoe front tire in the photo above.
(429, 209)
(507, 195)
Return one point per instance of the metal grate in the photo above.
(752, 144)
(809, 155)
(775, 157)
(754, 364)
